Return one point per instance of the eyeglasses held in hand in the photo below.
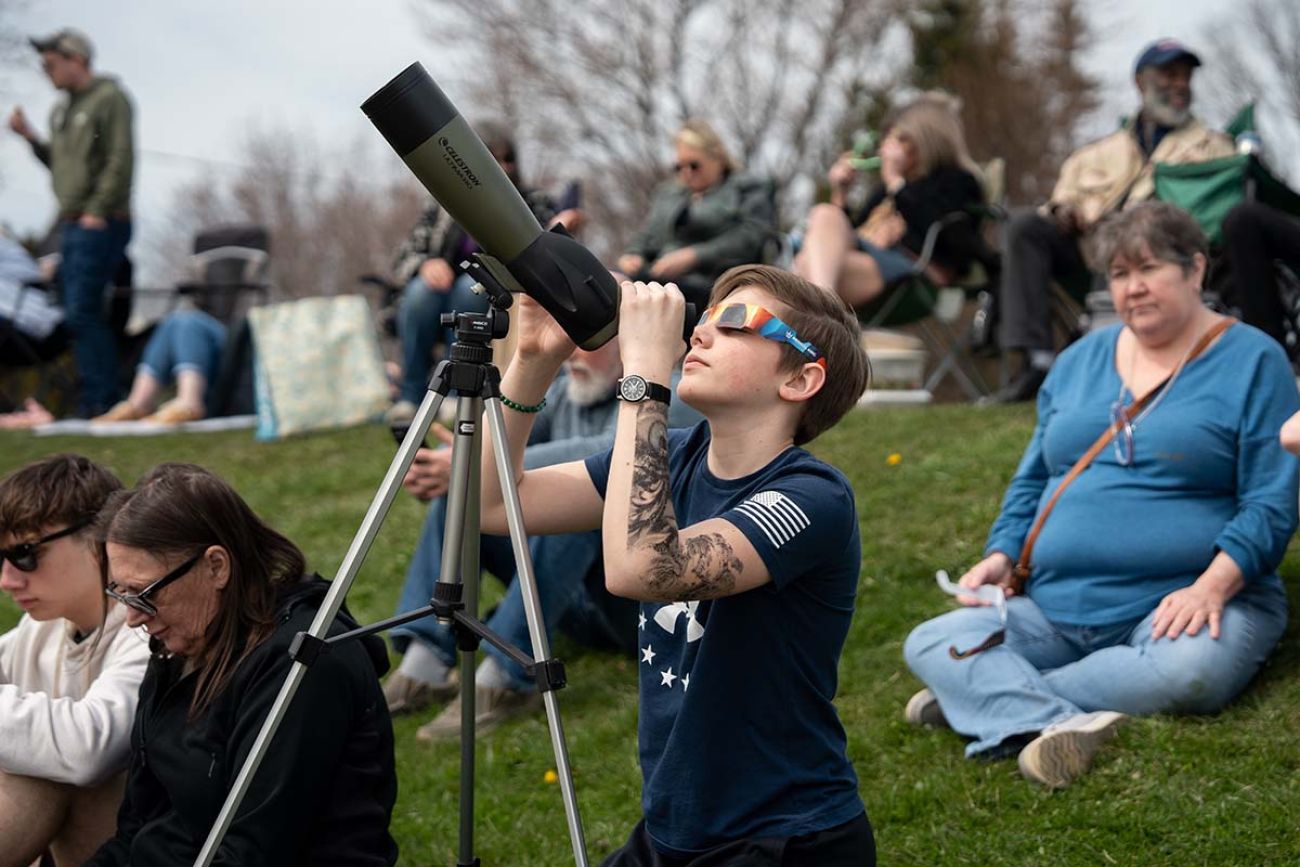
(761, 321)
(141, 601)
(990, 594)
(24, 556)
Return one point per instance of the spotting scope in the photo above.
(447, 156)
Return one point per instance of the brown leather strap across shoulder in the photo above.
(1020, 573)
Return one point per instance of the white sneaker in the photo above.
(923, 710)
(1061, 754)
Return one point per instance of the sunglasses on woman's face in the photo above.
(24, 556)
(141, 601)
(687, 165)
(761, 321)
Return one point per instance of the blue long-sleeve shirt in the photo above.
(1208, 475)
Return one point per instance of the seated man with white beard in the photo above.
(575, 420)
(1099, 179)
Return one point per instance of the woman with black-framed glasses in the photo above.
(69, 671)
(222, 595)
(1145, 524)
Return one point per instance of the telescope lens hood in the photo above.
(409, 109)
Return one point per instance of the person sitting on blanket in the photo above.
(185, 349)
(1153, 585)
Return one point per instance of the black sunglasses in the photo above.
(693, 165)
(140, 601)
(24, 556)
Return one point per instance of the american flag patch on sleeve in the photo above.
(779, 517)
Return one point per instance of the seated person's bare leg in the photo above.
(190, 388)
(31, 813)
(860, 279)
(145, 392)
(828, 240)
(91, 819)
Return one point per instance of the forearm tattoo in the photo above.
(706, 566)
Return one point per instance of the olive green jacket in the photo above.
(90, 152)
(728, 225)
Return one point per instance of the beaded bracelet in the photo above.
(519, 407)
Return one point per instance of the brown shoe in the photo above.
(121, 411)
(405, 694)
(492, 706)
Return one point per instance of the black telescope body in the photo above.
(447, 156)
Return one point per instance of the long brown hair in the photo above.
(932, 123)
(179, 510)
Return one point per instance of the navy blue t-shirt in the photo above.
(738, 735)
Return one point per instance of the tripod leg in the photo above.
(356, 555)
(536, 626)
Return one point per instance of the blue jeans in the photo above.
(91, 258)
(186, 340)
(560, 564)
(419, 325)
(1045, 672)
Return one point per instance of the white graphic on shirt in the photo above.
(779, 517)
(668, 615)
(640, 620)
(667, 677)
(686, 682)
(648, 655)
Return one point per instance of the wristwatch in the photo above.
(634, 389)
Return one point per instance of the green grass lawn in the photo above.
(1218, 790)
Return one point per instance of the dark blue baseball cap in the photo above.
(1164, 51)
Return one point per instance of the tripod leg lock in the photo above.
(307, 648)
(548, 674)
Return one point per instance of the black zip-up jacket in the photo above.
(324, 793)
(927, 200)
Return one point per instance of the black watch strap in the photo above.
(653, 390)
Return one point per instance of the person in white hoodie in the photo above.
(70, 670)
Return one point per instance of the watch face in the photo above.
(633, 388)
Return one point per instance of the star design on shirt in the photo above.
(640, 620)
(648, 654)
(686, 682)
(667, 677)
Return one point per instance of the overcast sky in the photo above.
(201, 73)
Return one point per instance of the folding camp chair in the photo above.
(936, 307)
(228, 275)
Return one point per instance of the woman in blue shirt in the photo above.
(1153, 586)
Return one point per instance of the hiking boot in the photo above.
(923, 710)
(492, 706)
(1061, 754)
(405, 694)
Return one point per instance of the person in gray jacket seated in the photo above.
(711, 217)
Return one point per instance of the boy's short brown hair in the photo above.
(59, 490)
(824, 320)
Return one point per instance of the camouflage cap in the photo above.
(68, 42)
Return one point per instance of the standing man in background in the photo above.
(90, 154)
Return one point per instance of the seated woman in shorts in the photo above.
(925, 174)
